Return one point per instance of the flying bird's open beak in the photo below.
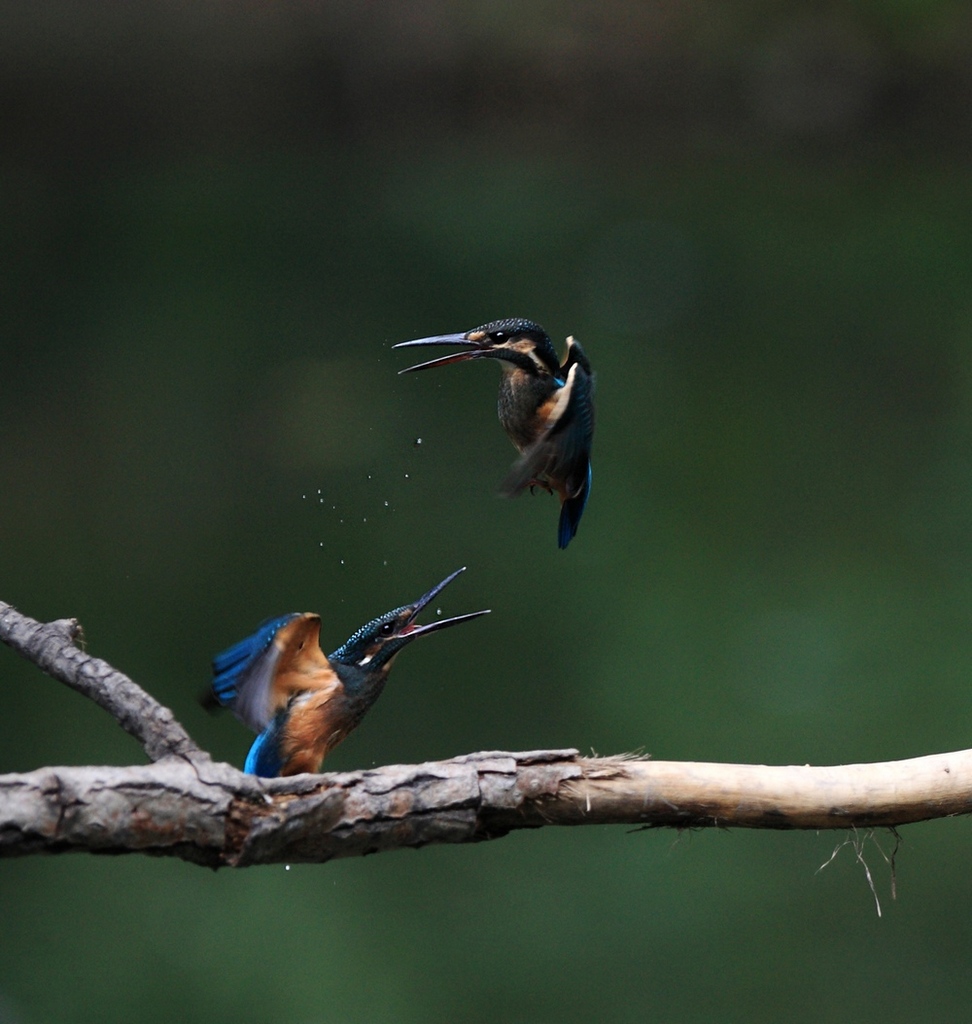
(476, 350)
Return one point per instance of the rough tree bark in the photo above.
(186, 805)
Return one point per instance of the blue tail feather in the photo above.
(571, 512)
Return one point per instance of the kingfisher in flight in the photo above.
(545, 406)
(302, 703)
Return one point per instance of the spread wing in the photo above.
(243, 675)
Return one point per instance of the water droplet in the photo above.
(364, 519)
(406, 476)
(342, 561)
(438, 611)
(418, 440)
(286, 867)
(386, 504)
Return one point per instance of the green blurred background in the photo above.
(217, 219)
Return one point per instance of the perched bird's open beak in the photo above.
(412, 628)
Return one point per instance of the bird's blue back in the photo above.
(265, 758)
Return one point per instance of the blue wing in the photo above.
(243, 675)
(264, 758)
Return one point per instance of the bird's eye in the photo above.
(387, 629)
(500, 335)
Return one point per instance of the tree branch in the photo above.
(210, 813)
(51, 647)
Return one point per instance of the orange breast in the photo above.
(316, 725)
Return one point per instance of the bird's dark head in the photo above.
(369, 652)
(519, 343)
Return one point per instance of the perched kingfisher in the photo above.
(546, 407)
(302, 704)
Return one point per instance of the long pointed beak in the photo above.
(476, 350)
(413, 629)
